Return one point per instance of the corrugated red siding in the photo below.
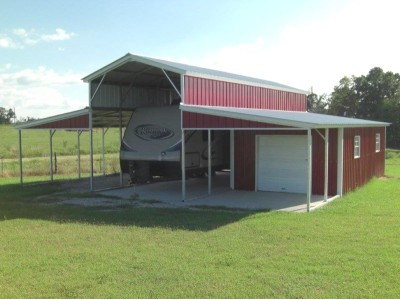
(76, 122)
(318, 162)
(194, 120)
(245, 153)
(358, 171)
(201, 91)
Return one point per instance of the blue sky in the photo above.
(46, 47)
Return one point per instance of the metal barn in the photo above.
(275, 144)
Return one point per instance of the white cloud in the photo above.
(39, 77)
(321, 51)
(20, 37)
(6, 42)
(40, 92)
(60, 35)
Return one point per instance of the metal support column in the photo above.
(209, 162)
(340, 163)
(326, 178)
(309, 175)
(79, 153)
(103, 157)
(232, 159)
(121, 174)
(91, 147)
(20, 157)
(52, 131)
(183, 165)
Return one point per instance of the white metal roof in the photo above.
(286, 118)
(184, 69)
(100, 119)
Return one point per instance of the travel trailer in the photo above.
(152, 146)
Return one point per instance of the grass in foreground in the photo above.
(348, 249)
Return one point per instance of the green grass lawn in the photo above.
(348, 249)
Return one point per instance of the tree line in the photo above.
(6, 115)
(375, 96)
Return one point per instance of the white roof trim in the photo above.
(131, 58)
(304, 120)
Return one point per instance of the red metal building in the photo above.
(275, 144)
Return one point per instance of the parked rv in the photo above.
(152, 145)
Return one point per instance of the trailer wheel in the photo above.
(142, 171)
(131, 172)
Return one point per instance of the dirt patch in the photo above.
(99, 183)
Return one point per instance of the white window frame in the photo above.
(357, 146)
(377, 142)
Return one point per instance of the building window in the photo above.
(377, 142)
(357, 143)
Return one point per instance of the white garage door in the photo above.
(282, 163)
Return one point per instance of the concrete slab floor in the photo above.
(168, 194)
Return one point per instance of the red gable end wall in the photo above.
(201, 91)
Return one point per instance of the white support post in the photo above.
(183, 165)
(232, 159)
(340, 163)
(121, 174)
(79, 132)
(209, 162)
(20, 157)
(51, 153)
(103, 158)
(309, 175)
(91, 147)
(326, 179)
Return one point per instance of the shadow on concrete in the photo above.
(42, 203)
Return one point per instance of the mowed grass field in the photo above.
(348, 249)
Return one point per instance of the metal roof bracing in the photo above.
(305, 120)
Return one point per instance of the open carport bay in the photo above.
(168, 194)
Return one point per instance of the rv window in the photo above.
(205, 135)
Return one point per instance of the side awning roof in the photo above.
(286, 118)
(79, 120)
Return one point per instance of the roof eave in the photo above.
(255, 118)
(272, 120)
(130, 58)
(35, 123)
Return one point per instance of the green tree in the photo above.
(375, 96)
(317, 104)
(343, 100)
(6, 115)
